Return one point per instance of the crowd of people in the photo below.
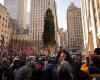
(62, 67)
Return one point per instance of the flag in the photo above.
(29, 50)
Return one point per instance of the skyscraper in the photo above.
(74, 28)
(18, 11)
(4, 27)
(91, 23)
(38, 9)
(61, 30)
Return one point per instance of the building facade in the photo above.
(74, 28)
(18, 11)
(66, 39)
(61, 37)
(38, 9)
(21, 37)
(91, 23)
(4, 26)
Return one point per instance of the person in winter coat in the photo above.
(25, 73)
(5, 72)
(64, 71)
(76, 67)
(51, 69)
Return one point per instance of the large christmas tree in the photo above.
(49, 29)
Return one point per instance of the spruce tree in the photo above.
(49, 29)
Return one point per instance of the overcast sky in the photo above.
(62, 6)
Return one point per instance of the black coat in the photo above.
(50, 72)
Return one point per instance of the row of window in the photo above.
(2, 18)
(77, 17)
(74, 39)
(3, 25)
(75, 43)
(77, 26)
(75, 46)
(78, 30)
(36, 19)
(38, 25)
(5, 37)
(39, 5)
(4, 31)
(78, 35)
(75, 20)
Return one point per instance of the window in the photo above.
(3, 19)
(0, 16)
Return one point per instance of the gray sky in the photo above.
(62, 6)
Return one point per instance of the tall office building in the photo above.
(38, 9)
(18, 11)
(4, 27)
(66, 39)
(91, 23)
(61, 30)
(74, 28)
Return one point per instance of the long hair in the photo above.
(25, 73)
(64, 71)
(68, 57)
